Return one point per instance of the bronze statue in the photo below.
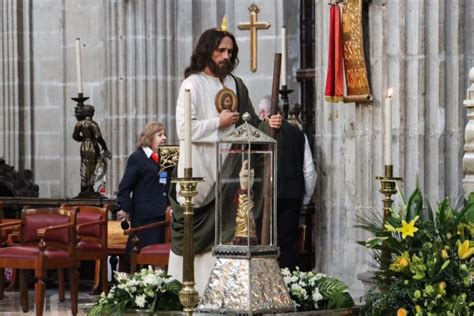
(93, 164)
(244, 222)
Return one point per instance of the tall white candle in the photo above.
(187, 129)
(78, 65)
(283, 56)
(387, 146)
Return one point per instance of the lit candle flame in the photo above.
(389, 93)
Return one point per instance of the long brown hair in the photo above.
(205, 46)
(146, 136)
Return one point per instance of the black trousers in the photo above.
(288, 215)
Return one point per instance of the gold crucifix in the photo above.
(253, 26)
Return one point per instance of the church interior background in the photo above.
(133, 57)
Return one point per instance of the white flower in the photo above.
(140, 301)
(120, 276)
(316, 297)
(122, 286)
(319, 276)
(297, 290)
(285, 272)
(150, 279)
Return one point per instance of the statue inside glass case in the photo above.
(245, 231)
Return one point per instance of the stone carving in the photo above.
(16, 183)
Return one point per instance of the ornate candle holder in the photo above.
(80, 99)
(387, 188)
(285, 92)
(188, 295)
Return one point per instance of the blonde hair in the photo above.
(146, 136)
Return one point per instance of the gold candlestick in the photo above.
(387, 188)
(188, 295)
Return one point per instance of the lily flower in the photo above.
(464, 251)
(408, 229)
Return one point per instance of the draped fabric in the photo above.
(335, 76)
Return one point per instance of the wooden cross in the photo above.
(253, 26)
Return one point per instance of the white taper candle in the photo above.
(283, 56)
(387, 146)
(78, 65)
(187, 129)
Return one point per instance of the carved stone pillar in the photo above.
(468, 158)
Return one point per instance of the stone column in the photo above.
(468, 158)
(9, 110)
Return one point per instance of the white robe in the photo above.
(205, 133)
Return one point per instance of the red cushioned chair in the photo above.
(91, 233)
(47, 242)
(155, 254)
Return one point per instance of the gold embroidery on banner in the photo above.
(354, 60)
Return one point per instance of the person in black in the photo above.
(143, 190)
(295, 185)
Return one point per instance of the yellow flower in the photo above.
(408, 229)
(444, 254)
(464, 251)
(403, 262)
(400, 262)
(402, 312)
(442, 285)
(418, 308)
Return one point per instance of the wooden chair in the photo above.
(155, 254)
(91, 233)
(10, 237)
(47, 241)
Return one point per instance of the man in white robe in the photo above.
(212, 62)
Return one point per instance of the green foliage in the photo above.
(312, 291)
(148, 290)
(430, 252)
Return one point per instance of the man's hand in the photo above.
(275, 121)
(227, 118)
(121, 215)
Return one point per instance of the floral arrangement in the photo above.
(425, 259)
(147, 290)
(313, 291)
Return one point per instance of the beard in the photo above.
(221, 69)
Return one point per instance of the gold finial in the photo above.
(254, 8)
(224, 24)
